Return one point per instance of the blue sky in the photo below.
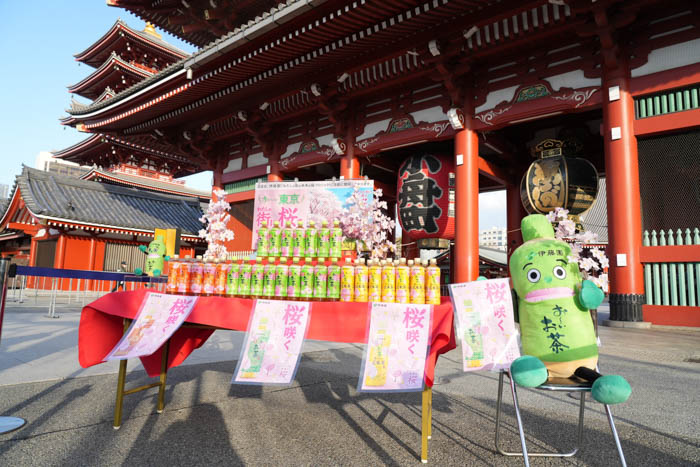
(37, 44)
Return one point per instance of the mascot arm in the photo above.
(142, 248)
(590, 296)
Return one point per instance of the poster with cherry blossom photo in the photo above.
(485, 325)
(303, 201)
(272, 346)
(158, 318)
(397, 346)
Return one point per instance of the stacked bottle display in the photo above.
(308, 279)
(312, 241)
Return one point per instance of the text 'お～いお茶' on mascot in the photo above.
(558, 337)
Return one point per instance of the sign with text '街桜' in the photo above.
(485, 325)
(303, 201)
(397, 347)
(159, 317)
(272, 345)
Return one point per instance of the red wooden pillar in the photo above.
(275, 174)
(514, 215)
(32, 252)
(60, 251)
(349, 164)
(466, 250)
(623, 197)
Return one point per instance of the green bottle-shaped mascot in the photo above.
(155, 257)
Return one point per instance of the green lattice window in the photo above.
(243, 185)
(676, 100)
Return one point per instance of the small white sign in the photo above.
(614, 93)
(621, 259)
(616, 133)
(459, 159)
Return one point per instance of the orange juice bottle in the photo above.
(197, 276)
(417, 287)
(361, 279)
(173, 269)
(402, 282)
(222, 268)
(388, 282)
(374, 282)
(209, 277)
(183, 277)
(432, 283)
(347, 281)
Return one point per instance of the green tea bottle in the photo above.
(287, 239)
(336, 240)
(232, 280)
(270, 273)
(299, 241)
(281, 280)
(320, 280)
(294, 281)
(263, 239)
(256, 279)
(306, 291)
(311, 240)
(333, 289)
(275, 240)
(244, 278)
(324, 240)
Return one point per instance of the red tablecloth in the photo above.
(101, 327)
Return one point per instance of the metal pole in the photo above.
(22, 286)
(7, 424)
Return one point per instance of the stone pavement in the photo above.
(321, 419)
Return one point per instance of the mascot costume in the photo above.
(155, 258)
(558, 337)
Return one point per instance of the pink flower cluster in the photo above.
(216, 231)
(365, 222)
(591, 261)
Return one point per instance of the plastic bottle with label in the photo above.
(275, 240)
(306, 280)
(361, 281)
(208, 278)
(183, 277)
(311, 250)
(336, 240)
(324, 240)
(256, 279)
(233, 279)
(374, 282)
(432, 283)
(294, 280)
(281, 279)
(287, 239)
(245, 275)
(347, 281)
(299, 241)
(388, 282)
(269, 275)
(221, 281)
(320, 280)
(197, 276)
(403, 282)
(333, 289)
(173, 270)
(417, 287)
(263, 244)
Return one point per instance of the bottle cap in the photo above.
(336, 222)
(188, 257)
(174, 257)
(263, 224)
(410, 262)
(402, 260)
(324, 223)
(433, 262)
(199, 257)
(258, 259)
(283, 259)
(321, 260)
(277, 223)
(311, 223)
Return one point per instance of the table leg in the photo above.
(426, 416)
(163, 376)
(120, 388)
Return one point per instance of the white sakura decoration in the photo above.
(216, 231)
(591, 261)
(364, 222)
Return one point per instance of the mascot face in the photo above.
(156, 247)
(540, 271)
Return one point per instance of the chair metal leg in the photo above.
(499, 404)
(615, 437)
(426, 416)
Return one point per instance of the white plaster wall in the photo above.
(573, 79)
(325, 140)
(667, 58)
(234, 164)
(433, 114)
(496, 97)
(256, 159)
(373, 128)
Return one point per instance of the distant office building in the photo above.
(48, 163)
(495, 238)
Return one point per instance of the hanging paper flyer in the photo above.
(485, 325)
(397, 346)
(158, 318)
(272, 346)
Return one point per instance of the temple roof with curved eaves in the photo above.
(109, 74)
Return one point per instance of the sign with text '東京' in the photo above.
(397, 347)
(272, 345)
(485, 325)
(298, 202)
(159, 317)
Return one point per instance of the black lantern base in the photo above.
(626, 307)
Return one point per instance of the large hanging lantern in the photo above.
(555, 180)
(426, 197)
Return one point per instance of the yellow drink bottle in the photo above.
(374, 282)
(379, 359)
(361, 278)
(347, 281)
(417, 282)
(388, 282)
(402, 282)
(432, 283)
